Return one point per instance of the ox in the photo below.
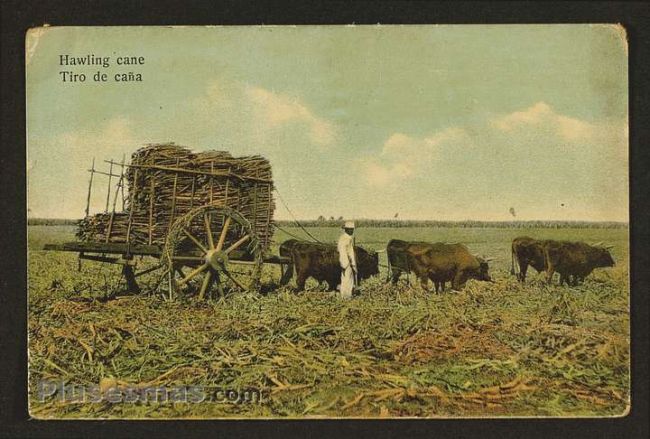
(527, 251)
(574, 260)
(321, 261)
(398, 262)
(438, 262)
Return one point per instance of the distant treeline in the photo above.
(407, 223)
(463, 224)
(51, 222)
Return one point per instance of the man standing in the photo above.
(347, 260)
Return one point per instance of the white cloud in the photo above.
(228, 115)
(114, 135)
(403, 156)
(502, 158)
(276, 110)
(239, 113)
(377, 174)
(542, 115)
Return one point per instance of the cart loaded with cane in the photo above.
(198, 213)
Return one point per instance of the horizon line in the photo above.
(395, 220)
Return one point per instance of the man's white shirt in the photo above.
(346, 251)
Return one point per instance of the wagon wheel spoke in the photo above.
(224, 231)
(188, 258)
(237, 244)
(235, 281)
(208, 230)
(209, 257)
(206, 282)
(192, 274)
(196, 241)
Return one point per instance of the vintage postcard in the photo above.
(328, 221)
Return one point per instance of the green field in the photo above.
(493, 349)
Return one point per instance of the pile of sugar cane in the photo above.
(158, 194)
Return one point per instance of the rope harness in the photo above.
(295, 220)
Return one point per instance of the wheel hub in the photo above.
(216, 259)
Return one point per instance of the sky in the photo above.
(448, 122)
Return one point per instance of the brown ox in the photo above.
(321, 261)
(527, 251)
(438, 262)
(398, 263)
(574, 260)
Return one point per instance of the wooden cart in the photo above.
(185, 217)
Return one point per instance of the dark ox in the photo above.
(438, 262)
(527, 251)
(574, 260)
(321, 261)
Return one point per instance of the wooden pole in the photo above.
(211, 185)
(122, 174)
(225, 201)
(268, 209)
(194, 171)
(254, 219)
(173, 209)
(131, 197)
(192, 197)
(105, 173)
(108, 194)
(90, 186)
(151, 197)
(120, 183)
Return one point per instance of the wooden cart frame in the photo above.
(229, 238)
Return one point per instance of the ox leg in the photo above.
(300, 281)
(395, 276)
(287, 275)
(129, 275)
(549, 275)
(424, 281)
(523, 268)
(458, 282)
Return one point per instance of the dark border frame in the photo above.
(18, 16)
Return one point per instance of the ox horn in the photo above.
(608, 246)
(598, 244)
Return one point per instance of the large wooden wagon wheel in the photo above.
(210, 240)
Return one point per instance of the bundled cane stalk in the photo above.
(165, 181)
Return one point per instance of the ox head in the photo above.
(604, 258)
(482, 273)
(368, 262)
(374, 265)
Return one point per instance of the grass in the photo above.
(498, 349)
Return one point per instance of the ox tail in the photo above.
(512, 261)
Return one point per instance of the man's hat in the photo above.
(349, 225)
